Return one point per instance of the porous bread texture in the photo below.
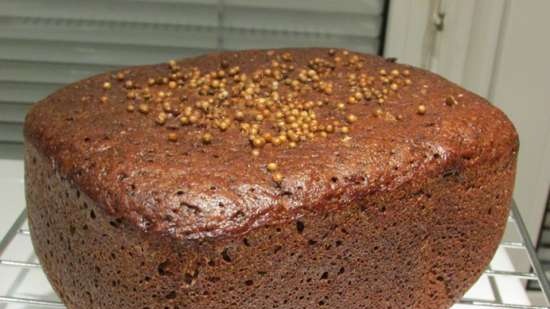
(404, 210)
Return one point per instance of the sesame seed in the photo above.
(193, 119)
(106, 85)
(272, 166)
(351, 118)
(207, 138)
(103, 99)
(173, 137)
(258, 142)
(167, 107)
(143, 108)
(421, 109)
(131, 95)
(255, 152)
(161, 118)
(277, 177)
(184, 120)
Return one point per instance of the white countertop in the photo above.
(32, 283)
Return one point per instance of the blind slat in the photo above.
(11, 132)
(41, 72)
(25, 92)
(105, 10)
(13, 112)
(103, 54)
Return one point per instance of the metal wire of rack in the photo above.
(536, 274)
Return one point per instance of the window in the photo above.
(48, 44)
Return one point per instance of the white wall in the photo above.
(521, 87)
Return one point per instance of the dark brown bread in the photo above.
(400, 203)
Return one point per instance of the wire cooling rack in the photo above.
(18, 232)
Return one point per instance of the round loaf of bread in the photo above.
(295, 178)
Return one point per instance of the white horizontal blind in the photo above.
(45, 44)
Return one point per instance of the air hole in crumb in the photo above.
(188, 278)
(225, 255)
(171, 295)
(249, 282)
(286, 193)
(116, 223)
(324, 276)
(213, 188)
(238, 216)
(86, 139)
(246, 242)
(334, 179)
(311, 242)
(300, 226)
(193, 208)
(179, 192)
(92, 214)
(163, 268)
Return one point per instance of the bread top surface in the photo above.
(180, 148)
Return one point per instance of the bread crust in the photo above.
(407, 215)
